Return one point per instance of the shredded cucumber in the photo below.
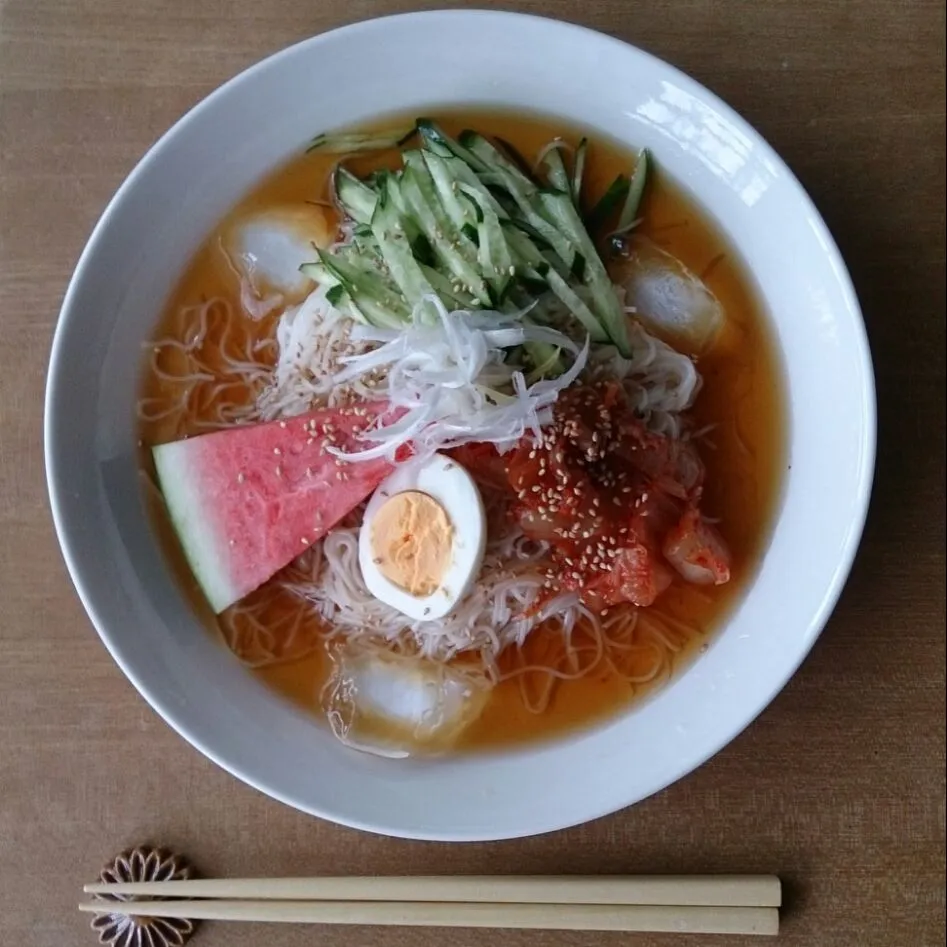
(452, 247)
(464, 223)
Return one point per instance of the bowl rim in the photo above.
(56, 476)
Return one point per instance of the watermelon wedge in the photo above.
(246, 501)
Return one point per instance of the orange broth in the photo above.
(742, 397)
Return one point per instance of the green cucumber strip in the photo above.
(364, 241)
(559, 207)
(389, 181)
(556, 173)
(574, 303)
(607, 203)
(438, 141)
(395, 246)
(381, 304)
(370, 264)
(356, 198)
(524, 192)
(338, 296)
(534, 285)
(518, 234)
(511, 152)
(372, 311)
(465, 175)
(335, 294)
(546, 359)
(349, 142)
(525, 195)
(449, 292)
(494, 159)
(444, 173)
(455, 251)
(578, 171)
(526, 252)
(639, 179)
(319, 274)
(493, 251)
(539, 227)
(496, 253)
(422, 250)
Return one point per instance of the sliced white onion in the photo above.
(444, 379)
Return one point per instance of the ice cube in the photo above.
(266, 248)
(669, 298)
(396, 706)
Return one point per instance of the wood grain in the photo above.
(839, 787)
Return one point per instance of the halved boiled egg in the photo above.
(422, 539)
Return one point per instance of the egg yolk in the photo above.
(411, 542)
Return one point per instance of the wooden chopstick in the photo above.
(686, 919)
(692, 891)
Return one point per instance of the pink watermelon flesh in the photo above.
(246, 501)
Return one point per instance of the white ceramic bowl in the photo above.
(214, 155)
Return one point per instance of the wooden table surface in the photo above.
(838, 787)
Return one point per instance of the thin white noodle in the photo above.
(495, 614)
(314, 343)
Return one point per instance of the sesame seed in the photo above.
(277, 451)
(240, 478)
(303, 540)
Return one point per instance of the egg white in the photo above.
(449, 484)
